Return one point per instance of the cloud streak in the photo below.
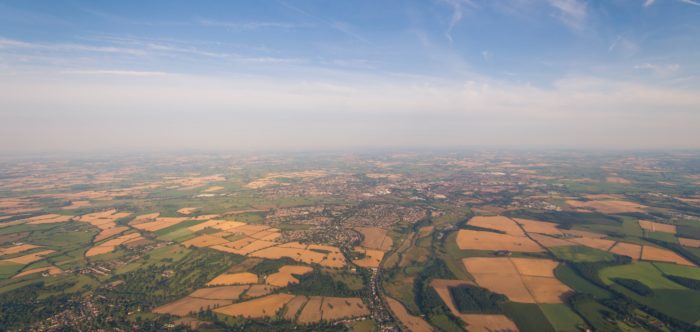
(573, 13)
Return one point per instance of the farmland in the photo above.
(327, 245)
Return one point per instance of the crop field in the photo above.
(375, 238)
(110, 245)
(189, 305)
(16, 249)
(285, 275)
(483, 240)
(608, 206)
(657, 227)
(334, 308)
(220, 293)
(499, 223)
(311, 311)
(633, 251)
(372, 257)
(484, 322)
(413, 323)
(28, 258)
(234, 279)
(663, 255)
(522, 280)
(293, 307)
(689, 242)
(266, 306)
(541, 227)
(49, 270)
(453, 243)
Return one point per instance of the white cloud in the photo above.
(690, 2)
(648, 3)
(663, 70)
(457, 14)
(134, 73)
(75, 111)
(571, 12)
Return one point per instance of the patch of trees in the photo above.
(482, 229)
(634, 285)
(268, 266)
(473, 299)
(21, 307)
(566, 219)
(149, 286)
(427, 299)
(589, 270)
(688, 231)
(318, 283)
(685, 282)
(225, 323)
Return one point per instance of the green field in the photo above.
(569, 277)
(528, 317)
(644, 272)
(581, 254)
(668, 296)
(562, 317)
(678, 270)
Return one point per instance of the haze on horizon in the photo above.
(86, 76)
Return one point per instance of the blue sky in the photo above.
(324, 74)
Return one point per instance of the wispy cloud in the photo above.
(663, 70)
(340, 26)
(67, 47)
(132, 73)
(571, 12)
(246, 26)
(140, 48)
(648, 3)
(691, 2)
(458, 8)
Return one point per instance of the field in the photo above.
(29, 258)
(375, 238)
(220, 293)
(667, 297)
(294, 306)
(285, 275)
(413, 323)
(689, 242)
(657, 227)
(522, 280)
(607, 206)
(485, 323)
(460, 241)
(663, 255)
(188, 305)
(503, 224)
(372, 257)
(481, 240)
(581, 254)
(633, 251)
(16, 249)
(312, 311)
(50, 270)
(234, 279)
(267, 306)
(110, 245)
(562, 317)
(474, 322)
(541, 227)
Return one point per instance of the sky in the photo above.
(79, 76)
